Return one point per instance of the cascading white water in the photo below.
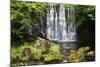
(71, 33)
(60, 28)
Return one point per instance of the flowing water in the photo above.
(60, 28)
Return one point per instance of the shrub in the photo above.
(14, 55)
(78, 55)
(54, 53)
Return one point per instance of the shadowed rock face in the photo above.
(86, 34)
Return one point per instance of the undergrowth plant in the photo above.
(54, 53)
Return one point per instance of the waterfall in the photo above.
(60, 28)
(52, 24)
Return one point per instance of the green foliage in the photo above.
(77, 55)
(91, 53)
(84, 13)
(49, 57)
(83, 49)
(32, 53)
(14, 54)
(25, 52)
(54, 53)
(37, 53)
(25, 15)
